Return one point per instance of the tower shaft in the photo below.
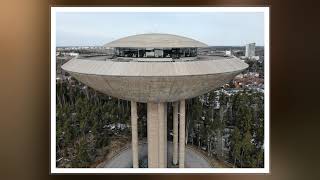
(157, 135)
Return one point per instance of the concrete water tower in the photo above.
(156, 69)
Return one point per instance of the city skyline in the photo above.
(212, 28)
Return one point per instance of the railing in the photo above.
(129, 59)
(185, 59)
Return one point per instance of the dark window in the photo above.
(174, 53)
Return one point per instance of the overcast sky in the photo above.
(212, 28)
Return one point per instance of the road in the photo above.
(123, 159)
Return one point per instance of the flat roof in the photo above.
(156, 40)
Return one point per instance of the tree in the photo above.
(236, 145)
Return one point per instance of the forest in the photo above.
(227, 126)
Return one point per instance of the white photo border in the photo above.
(265, 169)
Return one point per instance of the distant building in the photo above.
(250, 50)
(220, 53)
(73, 54)
(228, 53)
(255, 58)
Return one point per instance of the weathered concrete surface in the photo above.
(134, 136)
(165, 135)
(154, 81)
(155, 89)
(162, 132)
(156, 115)
(155, 40)
(193, 158)
(209, 65)
(182, 132)
(175, 132)
(153, 135)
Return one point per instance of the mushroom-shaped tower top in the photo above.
(135, 77)
(155, 40)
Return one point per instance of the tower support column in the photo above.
(165, 135)
(182, 134)
(157, 141)
(161, 134)
(175, 132)
(134, 130)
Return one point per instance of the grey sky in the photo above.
(212, 28)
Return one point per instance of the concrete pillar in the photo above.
(165, 136)
(175, 132)
(134, 130)
(161, 134)
(156, 123)
(153, 139)
(182, 134)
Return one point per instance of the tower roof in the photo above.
(155, 40)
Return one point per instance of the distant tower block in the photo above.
(250, 50)
(156, 69)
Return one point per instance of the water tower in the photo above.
(156, 69)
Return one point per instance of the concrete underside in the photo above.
(154, 81)
(155, 89)
(193, 158)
